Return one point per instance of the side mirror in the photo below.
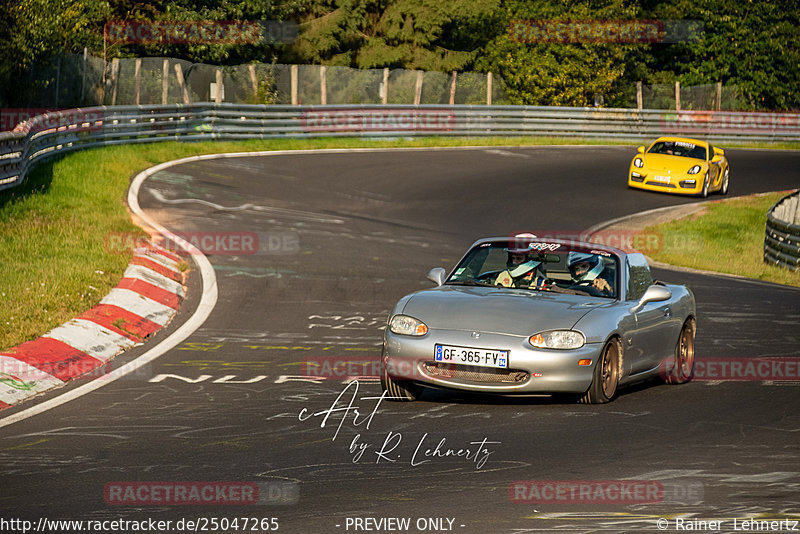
(640, 150)
(436, 275)
(716, 159)
(653, 293)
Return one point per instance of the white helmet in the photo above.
(595, 266)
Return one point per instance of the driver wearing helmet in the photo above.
(522, 271)
(587, 270)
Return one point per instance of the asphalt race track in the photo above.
(343, 236)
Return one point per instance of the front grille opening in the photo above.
(472, 373)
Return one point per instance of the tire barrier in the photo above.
(782, 241)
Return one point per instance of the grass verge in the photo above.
(54, 230)
(727, 237)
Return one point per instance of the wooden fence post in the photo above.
(182, 84)
(453, 88)
(137, 80)
(323, 84)
(164, 82)
(639, 95)
(418, 88)
(677, 96)
(385, 96)
(488, 88)
(218, 96)
(293, 71)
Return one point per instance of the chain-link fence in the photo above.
(707, 97)
(75, 80)
(78, 81)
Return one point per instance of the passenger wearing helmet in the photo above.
(522, 271)
(587, 271)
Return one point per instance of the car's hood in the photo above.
(488, 309)
(665, 162)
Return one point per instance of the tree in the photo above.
(558, 73)
(412, 34)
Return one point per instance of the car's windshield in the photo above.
(678, 148)
(540, 266)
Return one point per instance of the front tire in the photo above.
(606, 375)
(683, 368)
(704, 192)
(398, 390)
(724, 189)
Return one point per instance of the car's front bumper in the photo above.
(686, 184)
(530, 370)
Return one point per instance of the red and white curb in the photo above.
(146, 299)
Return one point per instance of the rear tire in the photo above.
(683, 368)
(398, 390)
(606, 375)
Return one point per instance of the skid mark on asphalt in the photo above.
(285, 212)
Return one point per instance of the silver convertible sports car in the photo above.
(535, 316)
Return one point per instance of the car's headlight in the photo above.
(638, 163)
(407, 326)
(558, 339)
(694, 170)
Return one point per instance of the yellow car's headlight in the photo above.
(638, 163)
(694, 170)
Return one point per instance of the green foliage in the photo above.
(559, 74)
(412, 34)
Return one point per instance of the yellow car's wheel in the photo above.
(704, 191)
(724, 189)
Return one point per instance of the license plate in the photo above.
(471, 356)
(664, 179)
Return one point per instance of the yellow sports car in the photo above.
(680, 165)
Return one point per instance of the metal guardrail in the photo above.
(58, 132)
(782, 241)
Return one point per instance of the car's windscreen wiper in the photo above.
(467, 283)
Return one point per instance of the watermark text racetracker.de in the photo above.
(605, 31)
(200, 32)
(222, 243)
(772, 369)
(592, 492)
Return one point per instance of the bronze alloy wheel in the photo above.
(610, 373)
(684, 355)
(606, 375)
